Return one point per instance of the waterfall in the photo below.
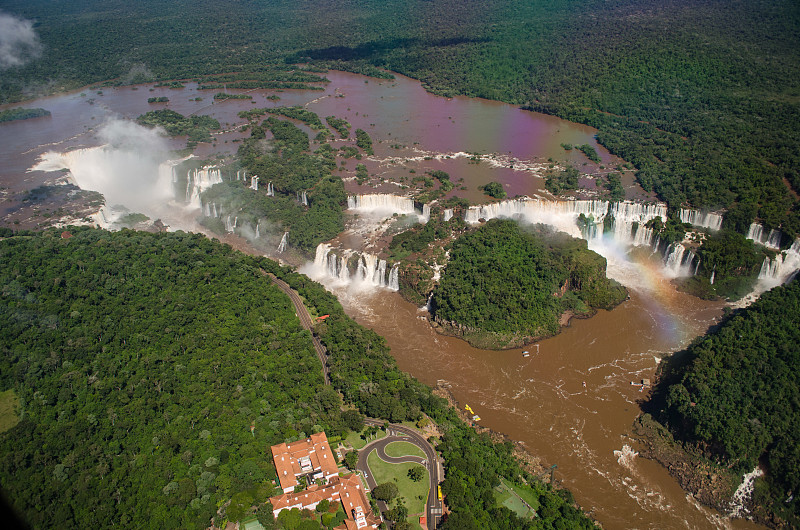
(713, 273)
(369, 269)
(743, 493)
(199, 180)
(448, 214)
(771, 240)
(215, 210)
(627, 218)
(381, 203)
(253, 183)
(302, 198)
(270, 189)
(783, 267)
(241, 174)
(679, 260)
(562, 215)
(426, 212)
(282, 245)
(258, 233)
(230, 225)
(712, 221)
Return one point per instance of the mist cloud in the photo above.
(18, 41)
(128, 169)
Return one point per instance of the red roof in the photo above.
(347, 490)
(305, 456)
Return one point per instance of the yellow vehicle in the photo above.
(440, 493)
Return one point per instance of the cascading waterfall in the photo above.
(783, 267)
(426, 212)
(230, 225)
(369, 269)
(241, 174)
(712, 221)
(680, 261)
(258, 231)
(270, 189)
(381, 203)
(302, 198)
(199, 180)
(254, 183)
(627, 218)
(757, 233)
(282, 245)
(448, 214)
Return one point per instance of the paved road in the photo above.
(305, 321)
(434, 506)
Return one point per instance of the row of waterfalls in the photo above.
(623, 223)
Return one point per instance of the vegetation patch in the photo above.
(731, 398)
(521, 500)
(504, 286)
(22, 114)
(197, 128)
(9, 404)
(412, 494)
(404, 449)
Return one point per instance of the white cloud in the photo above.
(18, 41)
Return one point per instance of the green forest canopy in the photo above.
(501, 279)
(735, 394)
(142, 362)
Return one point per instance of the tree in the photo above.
(353, 420)
(398, 513)
(416, 473)
(351, 460)
(385, 491)
(323, 506)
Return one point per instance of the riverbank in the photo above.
(709, 484)
(712, 485)
(487, 340)
(528, 461)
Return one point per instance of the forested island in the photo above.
(729, 404)
(152, 371)
(505, 286)
(22, 114)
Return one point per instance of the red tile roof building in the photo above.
(311, 457)
(347, 490)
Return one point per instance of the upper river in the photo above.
(571, 402)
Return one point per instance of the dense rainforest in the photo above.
(153, 372)
(734, 397)
(505, 285)
(700, 96)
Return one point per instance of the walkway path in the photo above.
(306, 322)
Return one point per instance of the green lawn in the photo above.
(414, 493)
(515, 498)
(404, 449)
(355, 440)
(8, 415)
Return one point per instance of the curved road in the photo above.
(305, 321)
(431, 462)
(433, 508)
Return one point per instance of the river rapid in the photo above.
(570, 402)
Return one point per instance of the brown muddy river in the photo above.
(571, 402)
